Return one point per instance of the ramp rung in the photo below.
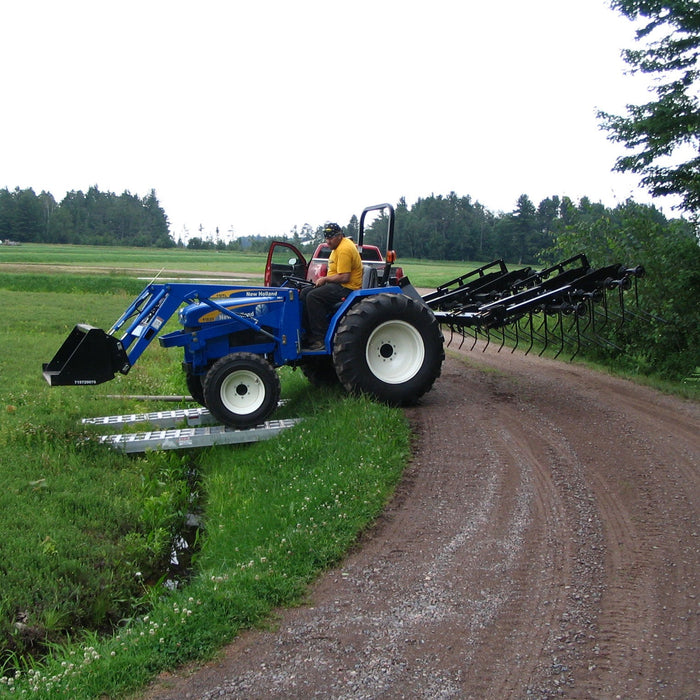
(186, 438)
(164, 419)
(193, 417)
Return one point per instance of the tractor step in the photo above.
(187, 438)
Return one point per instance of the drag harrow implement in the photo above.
(564, 305)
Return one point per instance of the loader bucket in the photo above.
(88, 356)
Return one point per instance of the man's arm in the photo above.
(338, 278)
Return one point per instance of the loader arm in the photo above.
(91, 356)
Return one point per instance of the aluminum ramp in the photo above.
(202, 431)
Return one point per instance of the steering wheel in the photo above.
(296, 282)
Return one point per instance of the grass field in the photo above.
(129, 262)
(89, 601)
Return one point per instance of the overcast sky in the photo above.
(260, 116)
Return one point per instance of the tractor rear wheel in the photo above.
(241, 389)
(319, 370)
(390, 347)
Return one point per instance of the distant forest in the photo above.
(437, 227)
(92, 218)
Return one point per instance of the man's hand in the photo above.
(340, 278)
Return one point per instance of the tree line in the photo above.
(437, 227)
(91, 218)
(456, 228)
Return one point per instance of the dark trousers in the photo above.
(317, 303)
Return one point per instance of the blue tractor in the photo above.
(383, 340)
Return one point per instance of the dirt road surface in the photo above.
(544, 542)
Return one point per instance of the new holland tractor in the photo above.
(382, 341)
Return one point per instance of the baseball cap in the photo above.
(330, 230)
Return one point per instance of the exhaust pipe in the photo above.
(88, 356)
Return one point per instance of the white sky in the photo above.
(259, 116)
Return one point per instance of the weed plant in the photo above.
(84, 606)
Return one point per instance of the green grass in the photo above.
(126, 262)
(432, 273)
(88, 532)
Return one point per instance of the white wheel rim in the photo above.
(395, 352)
(242, 392)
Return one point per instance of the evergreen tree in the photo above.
(7, 207)
(352, 228)
(661, 131)
(48, 204)
(524, 230)
(27, 222)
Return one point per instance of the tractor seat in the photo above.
(369, 277)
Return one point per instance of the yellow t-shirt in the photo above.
(345, 258)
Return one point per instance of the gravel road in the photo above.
(543, 543)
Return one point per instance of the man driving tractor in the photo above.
(344, 275)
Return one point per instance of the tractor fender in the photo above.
(349, 301)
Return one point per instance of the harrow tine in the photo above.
(510, 332)
(621, 300)
(503, 338)
(590, 311)
(578, 337)
(532, 336)
(560, 323)
(516, 329)
(604, 302)
(536, 332)
(464, 337)
(545, 340)
(570, 337)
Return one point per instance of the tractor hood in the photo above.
(251, 303)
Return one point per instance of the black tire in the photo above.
(241, 390)
(390, 347)
(319, 370)
(194, 386)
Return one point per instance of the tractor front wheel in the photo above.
(241, 389)
(389, 346)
